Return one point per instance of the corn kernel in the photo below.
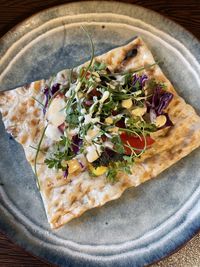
(98, 171)
(80, 94)
(127, 103)
(160, 121)
(109, 120)
(114, 130)
(139, 111)
(73, 165)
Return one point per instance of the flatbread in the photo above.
(65, 199)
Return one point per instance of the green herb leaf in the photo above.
(72, 118)
(62, 151)
(108, 107)
(138, 126)
(118, 145)
(111, 175)
(99, 66)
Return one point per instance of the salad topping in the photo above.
(107, 117)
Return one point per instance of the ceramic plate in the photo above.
(146, 223)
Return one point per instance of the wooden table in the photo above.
(184, 12)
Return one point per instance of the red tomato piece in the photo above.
(134, 141)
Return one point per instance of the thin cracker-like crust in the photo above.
(65, 199)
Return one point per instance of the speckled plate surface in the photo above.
(146, 223)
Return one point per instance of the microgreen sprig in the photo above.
(36, 156)
(41, 104)
(92, 52)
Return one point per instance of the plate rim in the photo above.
(6, 35)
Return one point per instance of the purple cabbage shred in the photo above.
(76, 143)
(160, 101)
(82, 166)
(141, 80)
(55, 88)
(49, 92)
(66, 172)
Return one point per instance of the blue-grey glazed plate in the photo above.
(146, 223)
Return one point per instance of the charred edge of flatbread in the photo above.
(128, 53)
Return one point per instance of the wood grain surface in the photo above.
(184, 12)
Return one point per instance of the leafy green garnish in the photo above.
(41, 104)
(138, 126)
(118, 145)
(36, 156)
(99, 94)
(72, 118)
(92, 53)
(108, 107)
(152, 84)
(115, 168)
(62, 152)
(99, 66)
(111, 175)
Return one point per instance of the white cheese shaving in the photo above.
(53, 132)
(56, 113)
(93, 152)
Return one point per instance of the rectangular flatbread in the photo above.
(67, 198)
